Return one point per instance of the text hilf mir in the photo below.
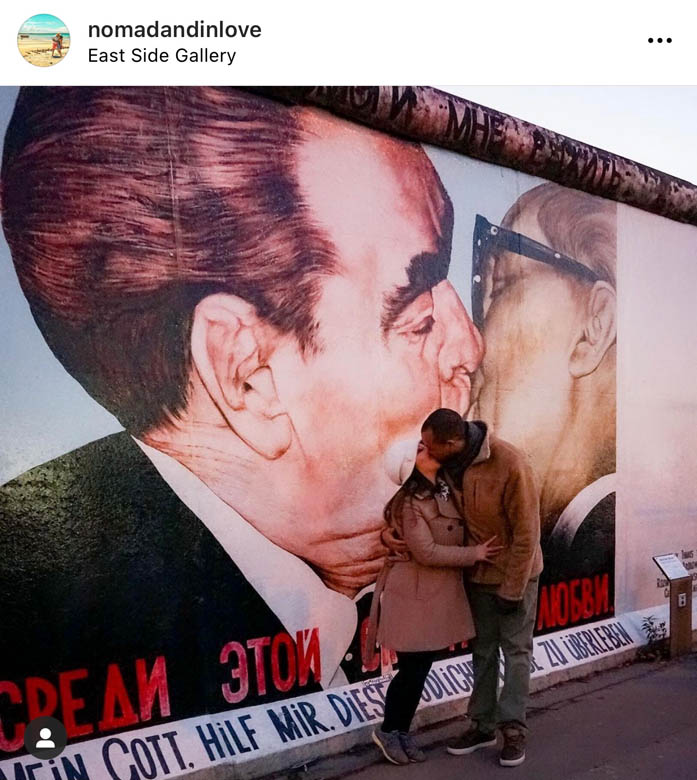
(160, 55)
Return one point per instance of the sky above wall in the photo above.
(651, 125)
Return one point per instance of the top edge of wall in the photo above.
(429, 115)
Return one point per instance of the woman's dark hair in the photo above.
(394, 506)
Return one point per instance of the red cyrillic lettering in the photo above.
(151, 687)
(36, 686)
(602, 594)
(561, 603)
(545, 618)
(575, 601)
(309, 657)
(258, 645)
(588, 601)
(241, 673)
(370, 657)
(281, 683)
(115, 695)
(10, 744)
(70, 704)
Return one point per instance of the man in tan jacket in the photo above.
(495, 491)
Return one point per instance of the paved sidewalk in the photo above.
(636, 722)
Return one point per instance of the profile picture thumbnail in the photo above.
(43, 40)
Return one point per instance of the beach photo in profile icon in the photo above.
(43, 40)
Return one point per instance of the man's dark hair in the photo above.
(164, 195)
(446, 425)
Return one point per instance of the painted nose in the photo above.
(462, 348)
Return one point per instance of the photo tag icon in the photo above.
(45, 738)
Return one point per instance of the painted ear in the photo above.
(599, 331)
(229, 344)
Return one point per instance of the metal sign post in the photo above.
(680, 603)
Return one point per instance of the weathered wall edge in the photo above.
(428, 115)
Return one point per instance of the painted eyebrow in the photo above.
(424, 272)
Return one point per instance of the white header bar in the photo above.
(273, 42)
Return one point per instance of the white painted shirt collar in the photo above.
(292, 590)
(579, 507)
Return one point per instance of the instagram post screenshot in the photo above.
(348, 391)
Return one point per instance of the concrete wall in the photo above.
(226, 319)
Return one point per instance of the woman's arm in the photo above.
(425, 550)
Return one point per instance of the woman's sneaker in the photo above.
(414, 753)
(391, 746)
(472, 740)
(513, 752)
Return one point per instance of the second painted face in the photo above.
(532, 315)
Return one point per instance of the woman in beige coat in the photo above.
(423, 606)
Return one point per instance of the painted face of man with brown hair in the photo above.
(296, 444)
(547, 382)
(268, 304)
(259, 294)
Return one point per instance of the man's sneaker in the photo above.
(513, 752)
(472, 740)
(391, 746)
(414, 753)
